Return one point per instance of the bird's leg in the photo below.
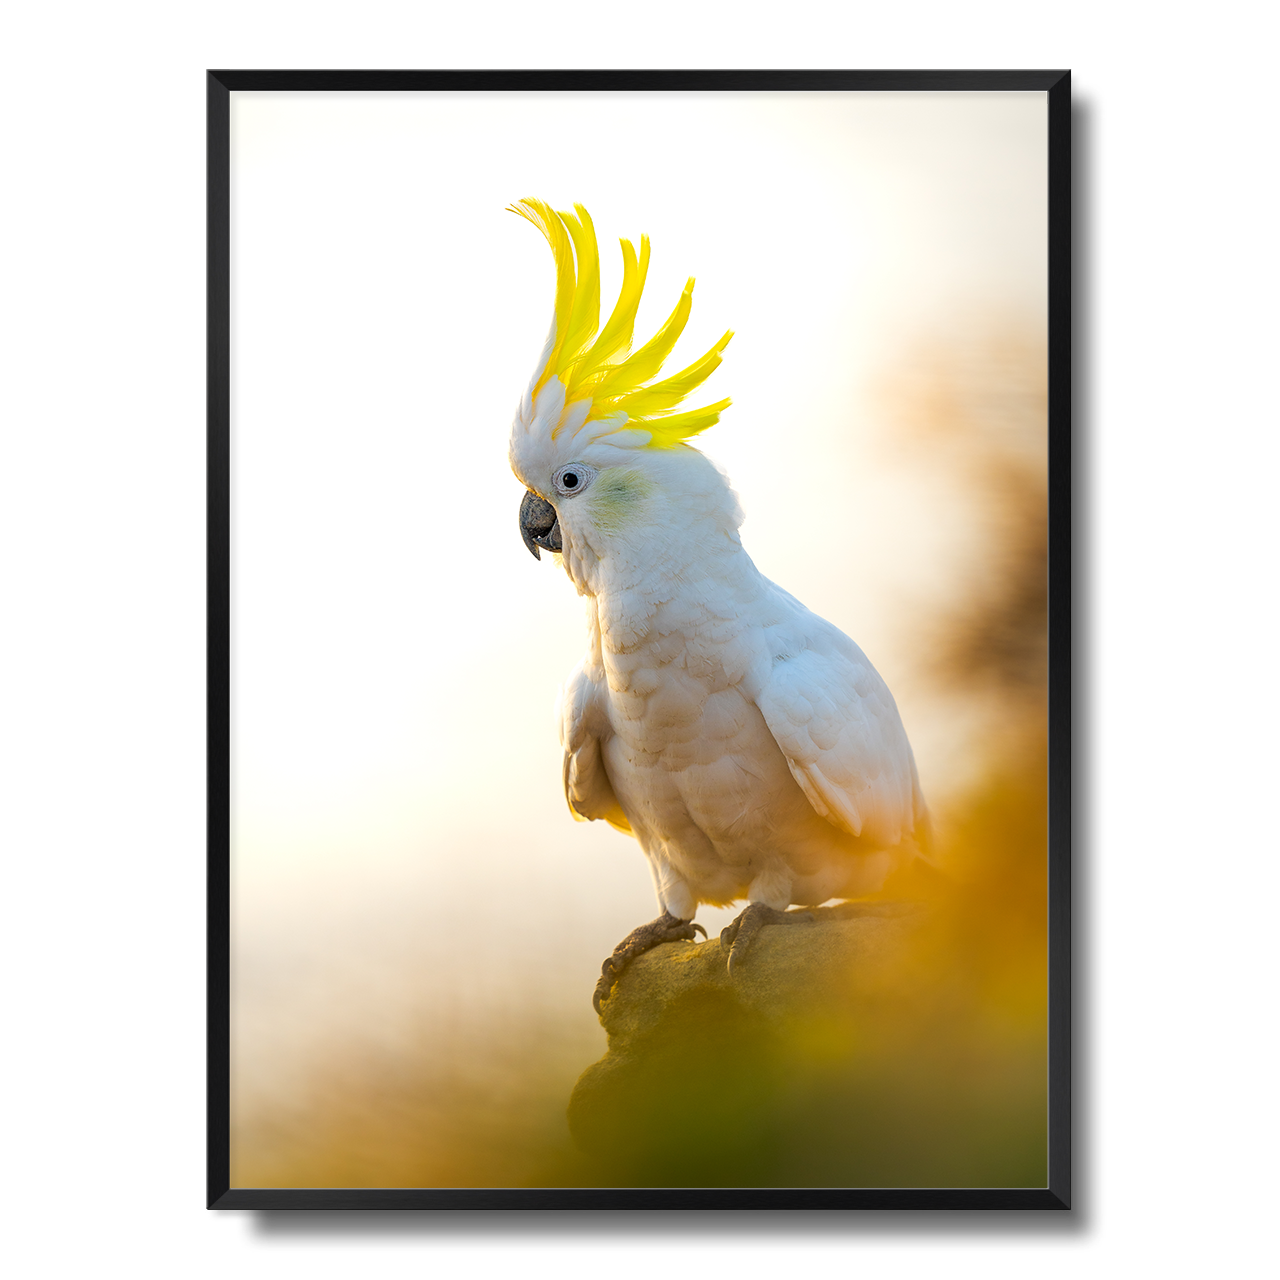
(736, 937)
(666, 928)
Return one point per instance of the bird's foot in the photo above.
(666, 928)
(736, 937)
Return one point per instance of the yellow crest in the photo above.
(600, 367)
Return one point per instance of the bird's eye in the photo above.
(572, 479)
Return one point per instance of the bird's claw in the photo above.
(603, 985)
(736, 936)
(666, 928)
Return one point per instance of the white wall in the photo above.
(101, 499)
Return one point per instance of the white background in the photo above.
(102, 510)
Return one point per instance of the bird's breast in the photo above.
(694, 765)
(691, 760)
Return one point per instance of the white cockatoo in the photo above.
(747, 744)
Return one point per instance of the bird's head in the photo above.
(597, 440)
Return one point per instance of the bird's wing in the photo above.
(839, 729)
(582, 722)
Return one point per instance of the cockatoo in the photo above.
(748, 745)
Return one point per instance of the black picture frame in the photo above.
(1057, 1193)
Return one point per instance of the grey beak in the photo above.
(539, 526)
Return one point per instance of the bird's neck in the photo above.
(675, 579)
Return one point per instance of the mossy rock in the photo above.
(850, 1051)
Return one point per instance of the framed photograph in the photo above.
(639, 744)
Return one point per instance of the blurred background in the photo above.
(418, 922)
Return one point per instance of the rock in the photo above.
(851, 1051)
(785, 970)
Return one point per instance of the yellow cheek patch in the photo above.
(617, 497)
